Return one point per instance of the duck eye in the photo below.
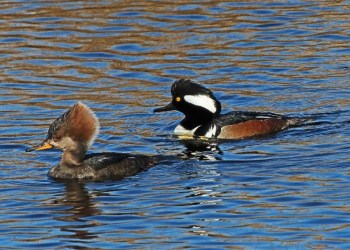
(178, 99)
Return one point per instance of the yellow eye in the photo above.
(178, 99)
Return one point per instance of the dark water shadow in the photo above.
(78, 204)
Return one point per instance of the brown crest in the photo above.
(79, 123)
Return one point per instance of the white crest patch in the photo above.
(203, 101)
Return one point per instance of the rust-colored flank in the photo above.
(253, 128)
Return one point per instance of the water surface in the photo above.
(289, 190)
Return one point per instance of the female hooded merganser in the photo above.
(73, 133)
(203, 118)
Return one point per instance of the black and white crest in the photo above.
(186, 92)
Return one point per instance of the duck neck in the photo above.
(73, 157)
(193, 121)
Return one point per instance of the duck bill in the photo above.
(42, 146)
(168, 107)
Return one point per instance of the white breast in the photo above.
(211, 132)
(179, 130)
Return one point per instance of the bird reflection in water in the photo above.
(79, 205)
(200, 150)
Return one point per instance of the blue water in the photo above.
(290, 190)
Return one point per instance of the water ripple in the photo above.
(284, 191)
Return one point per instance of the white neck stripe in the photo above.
(203, 101)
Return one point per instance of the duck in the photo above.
(74, 132)
(203, 118)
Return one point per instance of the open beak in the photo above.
(168, 107)
(42, 146)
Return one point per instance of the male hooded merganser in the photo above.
(203, 118)
(73, 133)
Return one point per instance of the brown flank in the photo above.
(253, 128)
